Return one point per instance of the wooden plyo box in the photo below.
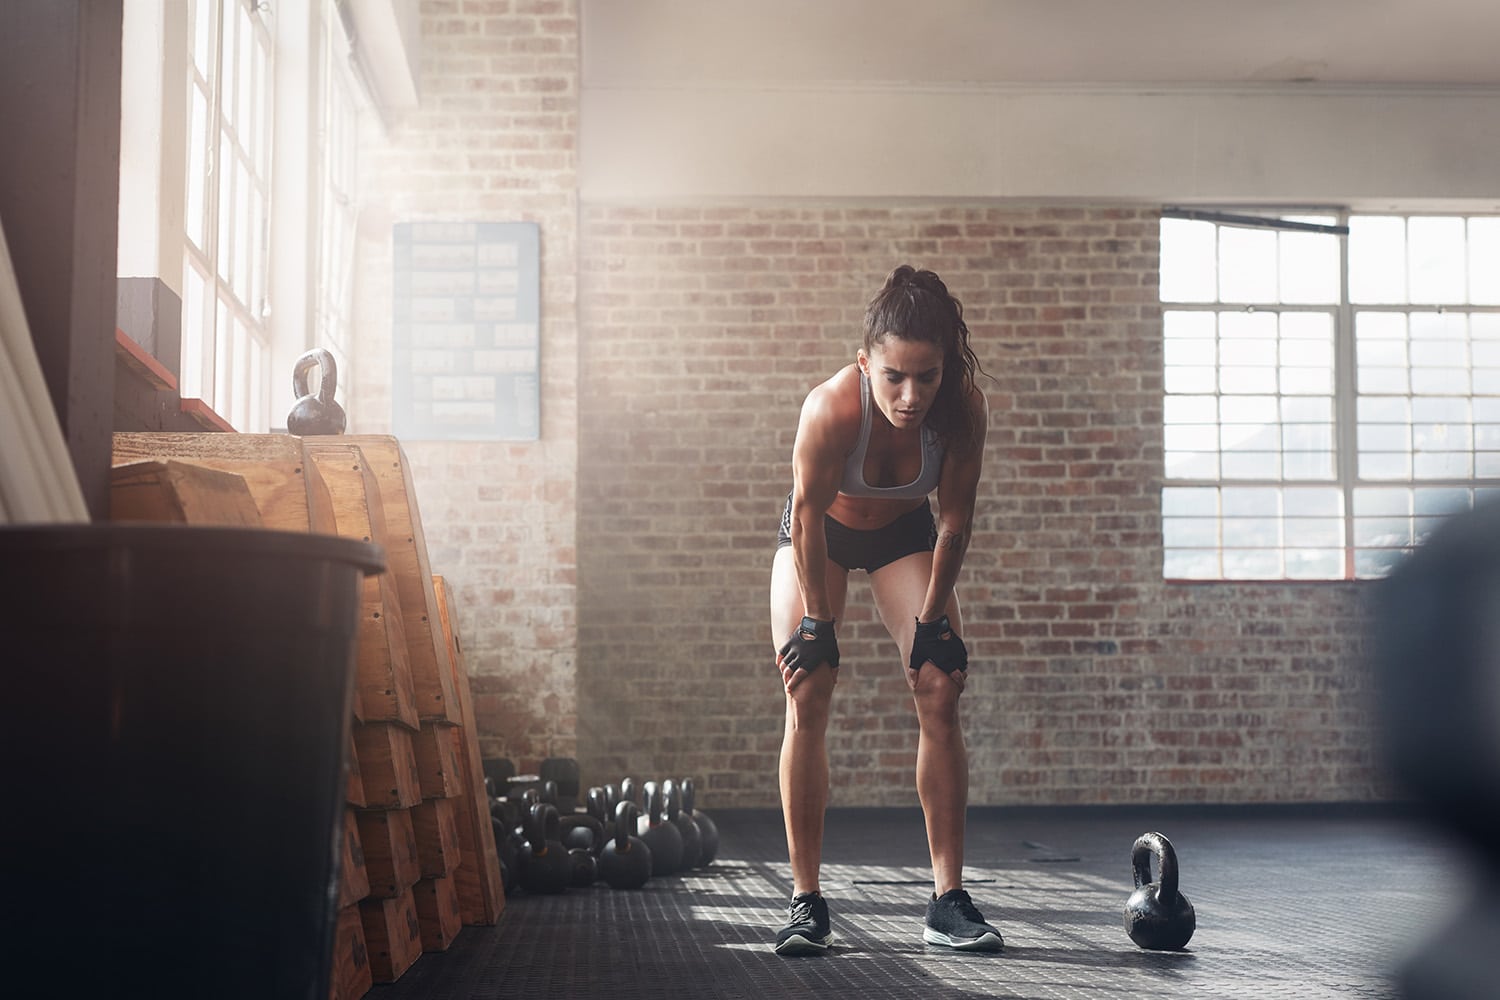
(354, 878)
(387, 765)
(178, 492)
(285, 484)
(435, 823)
(437, 912)
(350, 977)
(390, 849)
(384, 690)
(393, 935)
(481, 896)
(437, 761)
(406, 555)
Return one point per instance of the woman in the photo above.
(873, 441)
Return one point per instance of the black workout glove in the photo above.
(938, 643)
(812, 644)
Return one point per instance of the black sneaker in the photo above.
(806, 931)
(952, 920)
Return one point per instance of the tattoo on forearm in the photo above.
(950, 540)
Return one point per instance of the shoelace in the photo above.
(965, 906)
(802, 910)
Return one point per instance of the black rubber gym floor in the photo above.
(1291, 902)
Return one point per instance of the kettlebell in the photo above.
(544, 863)
(625, 862)
(597, 806)
(1157, 916)
(708, 831)
(315, 413)
(663, 837)
(692, 840)
(629, 792)
(581, 830)
(584, 867)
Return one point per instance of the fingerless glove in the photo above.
(936, 642)
(810, 645)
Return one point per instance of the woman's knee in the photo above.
(809, 704)
(936, 697)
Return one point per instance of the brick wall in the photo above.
(494, 141)
(1092, 681)
(611, 578)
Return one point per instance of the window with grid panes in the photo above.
(1332, 388)
(338, 143)
(225, 342)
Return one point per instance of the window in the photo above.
(1332, 388)
(225, 337)
(338, 144)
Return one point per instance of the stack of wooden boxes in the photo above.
(419, 852)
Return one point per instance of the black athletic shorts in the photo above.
(851, 548)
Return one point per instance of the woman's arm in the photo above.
(957, 490)
(817, 469)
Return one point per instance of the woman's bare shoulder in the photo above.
(831, 412)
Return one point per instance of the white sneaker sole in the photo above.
(799, 945)
(984, 942)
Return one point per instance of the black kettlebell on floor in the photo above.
(597, 804)
(580, 830)
(315, 413)
(692, 840)
(544, 863)
(629, 792)
(625, 862)
(1157, 916)
(664, 839)
(584, 867)
(708, 830)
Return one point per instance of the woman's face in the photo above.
(904, 378)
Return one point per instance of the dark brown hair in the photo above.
(916, 305)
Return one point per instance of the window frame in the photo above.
(1346, 400)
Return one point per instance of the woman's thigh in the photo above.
(786, 594)
(900, 589)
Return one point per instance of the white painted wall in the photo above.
(1336, 146)
(1155, 100)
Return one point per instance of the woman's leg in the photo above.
(804, 749)
(942, 762)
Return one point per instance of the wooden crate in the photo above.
(285, 484)
(387, 765)
(354, 877)
(437, 761)
(393, 935)
(438, 916)
(481, 896)
(354, 792)
(439, 850)
(390, 848)
(350, 976)
(383, 677)
(179, 492)
(406, 555)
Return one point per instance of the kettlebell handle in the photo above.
(328, 374)
(1146, 845)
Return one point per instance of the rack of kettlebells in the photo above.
(419, 855)
(550, 838)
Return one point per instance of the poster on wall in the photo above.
(466, 331)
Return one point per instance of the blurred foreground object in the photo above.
(1437, 660)
(38, 484)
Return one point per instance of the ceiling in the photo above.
(1041, 42)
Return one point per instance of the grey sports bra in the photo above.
(854, 484)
